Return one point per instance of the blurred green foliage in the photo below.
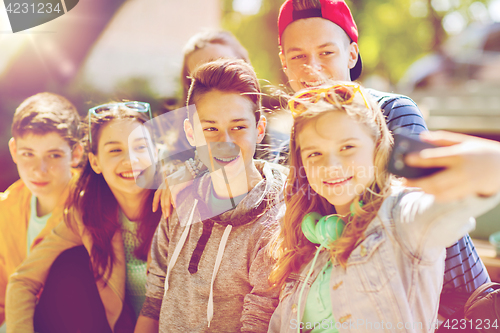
(393, 33)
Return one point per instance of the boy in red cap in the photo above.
(318, 42)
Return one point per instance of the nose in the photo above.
(130, 157)
(225, 145)
(226, 137)
(41, 166)
(313, 64)
(334, 165)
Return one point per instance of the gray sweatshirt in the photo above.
(198, 297)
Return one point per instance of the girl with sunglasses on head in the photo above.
(357, 252)
(92, 267)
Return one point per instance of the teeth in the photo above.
(129, 174)
(222, 159)
(338, 181)
(313, 84)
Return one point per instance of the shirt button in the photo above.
(362, 251)
(294, 308)
(345, 318)
(335, 287)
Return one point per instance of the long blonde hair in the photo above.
(290, 247)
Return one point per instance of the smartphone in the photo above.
(403, 145)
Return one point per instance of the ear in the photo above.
(353, 50)
(94, 163)
(188, 129)
(283, 60)
(261, 128)
(13, 149)
(76, 155)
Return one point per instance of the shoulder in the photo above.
(15, 203)
(394, 104)
(400, 111)
(72, 221)
(18, 190)
(400, 196)
(386, 99)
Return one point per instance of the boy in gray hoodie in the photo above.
(209, 267)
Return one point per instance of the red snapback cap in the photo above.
(335, 11)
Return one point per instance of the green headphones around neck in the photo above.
(324, 230)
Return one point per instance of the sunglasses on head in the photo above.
(134, 105)
(338, 93)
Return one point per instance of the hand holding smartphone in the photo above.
(404, 145)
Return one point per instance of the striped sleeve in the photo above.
(464, 273)
(401, 112)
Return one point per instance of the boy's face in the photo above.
(315, 50)
(225, 122)
(44, 162)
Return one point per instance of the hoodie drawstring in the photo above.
(220, 253)
(179, 246)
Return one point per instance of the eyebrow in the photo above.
(119, 143)
(232, 121)
(112, 143)
(292, 49)
(322, 46)
(327, 44)
(55, 150)
(313, 147)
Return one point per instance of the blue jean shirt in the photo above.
(394, 276)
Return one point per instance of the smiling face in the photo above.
(315, 50)
(120, 162)
(337, 153)
(225, 122)
(44, 163)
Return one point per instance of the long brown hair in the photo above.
(93, 201)
(290, 246)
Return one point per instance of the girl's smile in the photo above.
(124, 153)
(337, 155)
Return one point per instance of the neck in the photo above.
(243, 183)
(132, 204)
(343, 210)
(46, 204)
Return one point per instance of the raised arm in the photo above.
(472, 166)
(426, 226)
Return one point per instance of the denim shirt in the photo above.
(394, 276)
